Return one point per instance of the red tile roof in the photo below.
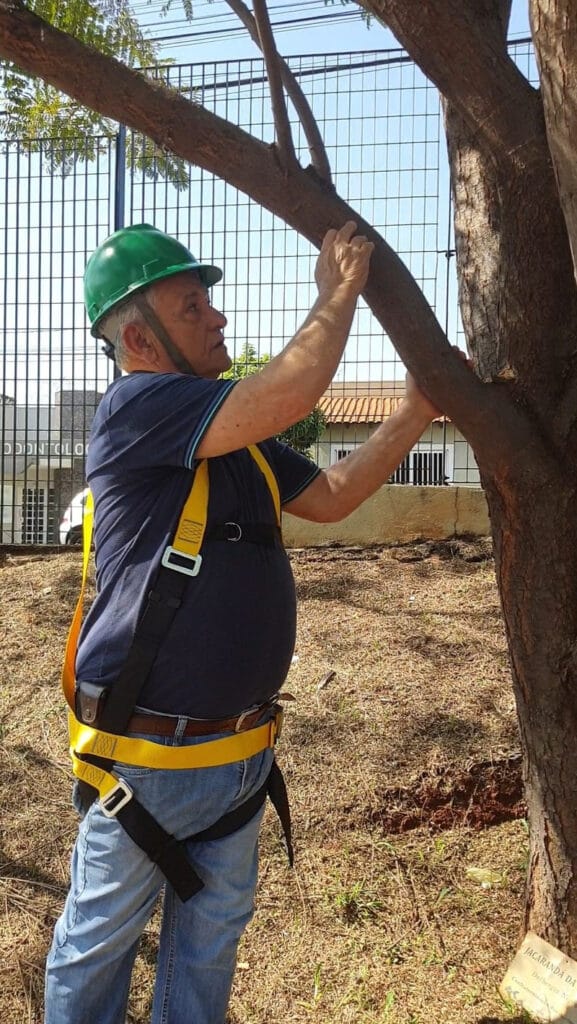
(360, 409)
(356, 402)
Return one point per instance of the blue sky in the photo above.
(216, 33)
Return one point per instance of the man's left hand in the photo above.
(417, 398)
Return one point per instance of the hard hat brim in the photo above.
(130, 260)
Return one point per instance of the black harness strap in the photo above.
(167, 852)
(162, 604)
(278, 796)
(274, 787)
(266, 534)
(170, 854)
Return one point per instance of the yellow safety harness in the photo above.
(94, 748)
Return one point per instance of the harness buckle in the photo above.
(116, 798)
(236, 526)
(189, 570)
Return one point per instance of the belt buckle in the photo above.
(243, 715)
(255, 707)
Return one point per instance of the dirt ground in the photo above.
(402, 759)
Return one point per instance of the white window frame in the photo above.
(340, 451)
(425, 449)
(38, 511)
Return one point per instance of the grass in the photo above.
(403, 693)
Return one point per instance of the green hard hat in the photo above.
(131, 259)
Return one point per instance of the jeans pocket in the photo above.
(136, 771)
(253, 773)
(130, 771)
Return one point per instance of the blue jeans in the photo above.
(114, 887)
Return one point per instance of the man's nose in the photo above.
(219, 318)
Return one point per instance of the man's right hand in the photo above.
(344, 259)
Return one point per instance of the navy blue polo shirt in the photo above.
(230, 644)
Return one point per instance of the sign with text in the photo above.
(44, 448)
(543, 981)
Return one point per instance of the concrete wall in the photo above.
(397, 514)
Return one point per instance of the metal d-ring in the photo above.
(234, 540)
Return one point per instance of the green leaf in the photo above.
(35, 112)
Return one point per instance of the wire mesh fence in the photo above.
(381, 123)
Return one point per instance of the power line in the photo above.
(152, 19)
(277, 26)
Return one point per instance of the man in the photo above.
(225, 653)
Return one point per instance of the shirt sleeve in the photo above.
(161, 418)
(294, 472)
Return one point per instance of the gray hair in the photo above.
(113, 324)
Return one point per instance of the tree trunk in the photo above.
(519, 307)
(554, 27)
(535, 536)
(534, 528)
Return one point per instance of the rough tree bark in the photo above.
(513, 168)
(519, 306)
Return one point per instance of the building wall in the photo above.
(43, 464)
(397, 514)
(465, 471)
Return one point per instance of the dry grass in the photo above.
(376, 923)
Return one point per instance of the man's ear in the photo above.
(140, 344)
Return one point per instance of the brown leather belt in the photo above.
(165, 725)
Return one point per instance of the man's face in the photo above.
(196, 328)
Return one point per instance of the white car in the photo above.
(70, 529)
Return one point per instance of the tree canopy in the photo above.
(34, 111)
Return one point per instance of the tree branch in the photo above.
(498, 430)
(281, 119)
(504, 13)
(456, 45)
(298, 99)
